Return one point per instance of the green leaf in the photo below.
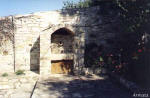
(101, 59)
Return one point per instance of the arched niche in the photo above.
(62, 41)
(62, 51)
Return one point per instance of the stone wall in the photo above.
(6, 55)
(26, 41)
(6, 45)
(100, 27)
(33, 34)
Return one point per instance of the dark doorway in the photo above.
(35, 56)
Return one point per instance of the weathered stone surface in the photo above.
(34, 43)
(14, 86)
(20, 95)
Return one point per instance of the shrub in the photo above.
(20, 72)
(5, 74)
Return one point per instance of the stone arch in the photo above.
(65, 35)
(66, 26)
(62, 52)
(45, 48)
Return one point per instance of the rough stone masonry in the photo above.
(26, 40)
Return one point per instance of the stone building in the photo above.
(51, 42)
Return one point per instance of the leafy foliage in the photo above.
(80, 4)
(135, 15)
(132, 43)
(20, 72)
(5, 74)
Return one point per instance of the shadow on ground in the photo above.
(81, 88)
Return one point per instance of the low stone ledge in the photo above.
(61, 56)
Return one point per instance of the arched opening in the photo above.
(62, 51)
(35, 56)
